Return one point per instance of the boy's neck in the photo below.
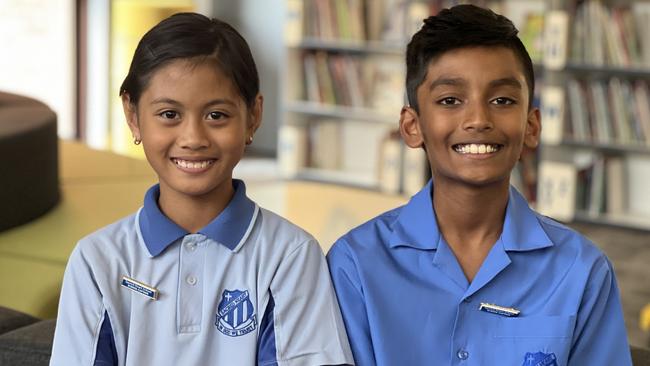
(470, 219)
(194, 212)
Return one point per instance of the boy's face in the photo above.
(194, 127)
(474, 118)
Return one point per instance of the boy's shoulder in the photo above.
(571, 243)
(372, 233)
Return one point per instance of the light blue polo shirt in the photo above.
(250, 288)
(406, 301)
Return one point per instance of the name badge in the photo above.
(499, 310)
(140, 288)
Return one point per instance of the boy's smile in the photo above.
(474, 118)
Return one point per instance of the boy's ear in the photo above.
(533, 128)
(131, 114)
(409, 127)
(256, 115)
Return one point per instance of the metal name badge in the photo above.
(140, 288)
(500, 310)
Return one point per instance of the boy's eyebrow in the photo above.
(446, 81)
(508, 81)
(213, 102)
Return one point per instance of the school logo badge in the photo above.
(235, 315)
(539, 359)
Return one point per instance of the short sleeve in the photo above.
(307, 320)
(600, 335)
(351, 300)
(80, 316)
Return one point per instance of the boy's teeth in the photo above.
(477, 148)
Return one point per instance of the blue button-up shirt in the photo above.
(406, 301)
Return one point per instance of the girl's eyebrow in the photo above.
(213, 102)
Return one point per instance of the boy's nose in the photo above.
(478, 118)
(193, 135)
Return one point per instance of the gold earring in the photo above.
(249, 140)
(137, 141)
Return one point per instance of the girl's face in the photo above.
(194, 127)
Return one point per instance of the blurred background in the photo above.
(328, 155)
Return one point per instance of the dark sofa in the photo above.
(28, 160)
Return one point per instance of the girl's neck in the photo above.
(194, 212)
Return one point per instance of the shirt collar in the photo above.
(417, 227)
(230, 228)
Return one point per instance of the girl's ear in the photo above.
(409, 127)
(131, 114)
(533, 128)
(255, 116)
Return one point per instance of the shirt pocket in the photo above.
(519, 341)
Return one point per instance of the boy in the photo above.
(466, 273)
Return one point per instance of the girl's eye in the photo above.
(216, 115)
(169, 114)
(449, 101)
(503, 101)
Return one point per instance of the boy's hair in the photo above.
(458, 27)
(197, 37)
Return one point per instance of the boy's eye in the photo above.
(503, 101)
(449, 101)
(216, 115)
(169, 114)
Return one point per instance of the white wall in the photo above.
(37, 38)
(261, 23)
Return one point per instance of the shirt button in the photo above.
(462, 354)
(190, 246)
(191, 280)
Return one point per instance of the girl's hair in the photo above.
(197, 37)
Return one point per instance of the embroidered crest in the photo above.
(235, 315)
(539, 359)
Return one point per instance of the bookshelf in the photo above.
(595, 150)
(343, 91)
(344, 83)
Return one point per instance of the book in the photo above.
(555, 39)
(360, 144)
(293, 22)
(292, 149)
(552, 115)
(416, 170)
(616, 192)
(556, 195)
(325, 144)
(390, 163)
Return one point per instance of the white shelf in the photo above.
(341, 112)
(629, 221)
(351, 46)
(359, 180)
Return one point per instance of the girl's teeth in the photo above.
(192, 165)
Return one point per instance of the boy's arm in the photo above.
(600, 337)
(307, 329)
(81, 326)
(351, 300)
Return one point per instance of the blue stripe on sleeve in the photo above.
(106, 354)
(266, 351)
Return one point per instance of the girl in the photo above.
(200, 275)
